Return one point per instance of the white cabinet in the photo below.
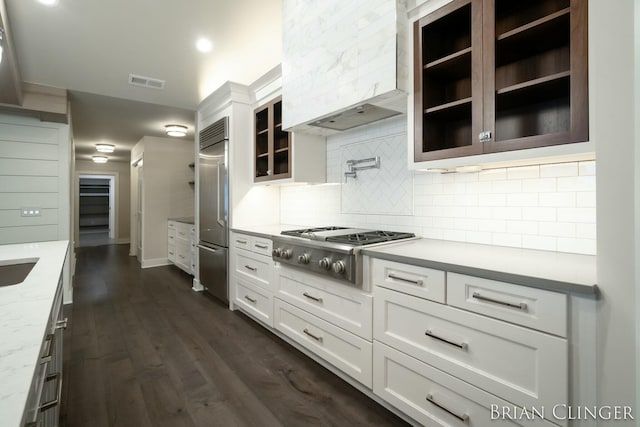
(448, 346)
(332, 320)
(43, 402)
(251, 279)
(181, 245)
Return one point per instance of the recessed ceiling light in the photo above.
(49, 2)
(100, 159)
(204, 45)
(176, 130)
(105, 148)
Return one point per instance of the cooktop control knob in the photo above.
(277, 253)
(325, 263)
(339, 267)
(286, 253)
(304, 259)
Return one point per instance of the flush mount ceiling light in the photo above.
(105, 148)
(176, 130)
(204, 45)
(100, 159)
(49, 2)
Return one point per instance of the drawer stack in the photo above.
(449, 347)
(251, 269)
(333, 321)
(181, 245)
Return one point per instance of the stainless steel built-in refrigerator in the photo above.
(213, 185)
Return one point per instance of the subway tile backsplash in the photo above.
(549, 207)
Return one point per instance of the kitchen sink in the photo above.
(14, 271)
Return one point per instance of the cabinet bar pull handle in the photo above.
(62, 324)
(464, 417)
(463, 345)
(402, 279)
(46, 357)
(315, 337)
(50, 404)
(522, 306)
(242, 242)
(248, 298)
(248, 267)
(316, 299)
(262, 246)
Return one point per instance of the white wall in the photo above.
(166, 191)
(548, 207)
(637, 194)
(35, 171)
(122, 171)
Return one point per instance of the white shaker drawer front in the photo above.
(261, 246)
(183, 231)
(241, 241)
(434, 398)
(347, 352)
(255, 301)
(171, 225)
(523, 366)
(172, 253)
(534, 308)
(253, 267)
(419, 281)
(339, 304)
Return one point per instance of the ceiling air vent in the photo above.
(146, 82)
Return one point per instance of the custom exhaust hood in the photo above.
(345, 64)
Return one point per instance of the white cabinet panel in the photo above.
(435, 398)
(347, 352)
(414, 280)
(523, 366)
(255, 268)
(534, 308)
(339, 304)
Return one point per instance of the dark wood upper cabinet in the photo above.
(514, 71)
(272, 144)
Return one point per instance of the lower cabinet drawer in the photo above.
(339, 304)
(172, 253)
(253, 267)
(411, 279)
(347, 352)
(534, 308)
(255, 300)
(523, 366)
(435, 398)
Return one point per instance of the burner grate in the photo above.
(369, 237)
(303, 231)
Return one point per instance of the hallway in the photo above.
(143, 349)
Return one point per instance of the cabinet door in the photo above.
(272, 144)
(448, 81)
(535, 77)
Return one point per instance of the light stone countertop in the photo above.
(554, 271)
(24, 313)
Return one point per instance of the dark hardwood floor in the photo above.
(143, 349)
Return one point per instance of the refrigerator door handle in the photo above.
(220, 192)
(206, 248)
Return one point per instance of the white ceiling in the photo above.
(91, 46)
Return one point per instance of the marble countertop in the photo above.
(184, 219)
(24, 313)
(556, 271)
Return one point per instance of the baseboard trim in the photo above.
(123, 241)
(155, 262)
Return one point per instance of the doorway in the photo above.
(96, 210)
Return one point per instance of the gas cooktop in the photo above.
(348, 236)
